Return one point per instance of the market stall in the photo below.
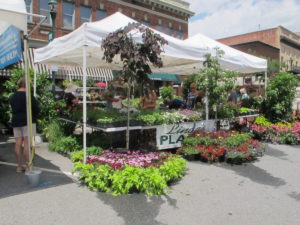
(83, 47)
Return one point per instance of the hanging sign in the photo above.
(171, 136)
(10, 47)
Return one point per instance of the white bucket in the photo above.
(38, 139)
(33, 177)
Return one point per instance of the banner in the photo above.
(171, 136)
(10, 47)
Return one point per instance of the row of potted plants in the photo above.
(282, 133)
(229, 146)
(113, 118)
(128, 172)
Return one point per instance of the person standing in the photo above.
(19, 123)
(244, 93)
(149, 99)
(194, 98)
(232, 96)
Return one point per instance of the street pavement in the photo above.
(265, 192)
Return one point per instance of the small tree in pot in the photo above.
(134, 56)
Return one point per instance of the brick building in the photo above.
(276, 43)
(168, 16)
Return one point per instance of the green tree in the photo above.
(280, 94)
(44, 97)
(214, 80)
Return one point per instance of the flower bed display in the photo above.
(288, 133)
(122, 173)
(228, 146)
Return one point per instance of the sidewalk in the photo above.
(265, 192)
(56, 169)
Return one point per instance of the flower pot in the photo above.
(33, 177)
(189, 157)
(104, 125)
(135, 123)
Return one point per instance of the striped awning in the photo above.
(71, 73)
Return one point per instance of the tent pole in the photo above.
(206, 107)
(84, 102)
(34, 81)
(266, 83)
(28, 102)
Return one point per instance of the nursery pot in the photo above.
(33, 177)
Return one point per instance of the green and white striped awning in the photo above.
(165, 77)
(72, 73)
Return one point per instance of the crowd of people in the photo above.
(115, 93)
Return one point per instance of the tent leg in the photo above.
(84, 102)
(266, 83)
(34, 81)
(28, 102)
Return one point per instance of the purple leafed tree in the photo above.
(135, 56)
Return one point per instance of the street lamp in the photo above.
(53, 4)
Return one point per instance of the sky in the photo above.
(224, 18)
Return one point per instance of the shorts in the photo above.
(22, 131)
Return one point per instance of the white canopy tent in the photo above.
(13, 12)
(232, 59)
(82, 47)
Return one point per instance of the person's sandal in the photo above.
(20, 169)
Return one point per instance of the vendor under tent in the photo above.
(82, 47)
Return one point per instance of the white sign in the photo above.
(171, 136)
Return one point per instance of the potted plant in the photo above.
(190, 153)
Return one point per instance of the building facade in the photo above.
(277, 43)
(168, 16)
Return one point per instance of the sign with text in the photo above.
(171, 136)
(10, 47)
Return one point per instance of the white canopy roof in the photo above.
(67, 50)
(13, 12)
(232, 59)
(179, 57)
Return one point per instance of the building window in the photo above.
(146, 23)
(179, 34)
(170, 31)
(85, 14)
(45, 11)
(68, 15)
(160, 27)
(101, 14)
(29, 9)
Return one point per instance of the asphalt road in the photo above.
(265, 192)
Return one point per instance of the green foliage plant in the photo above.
(43, 96)
(280, 95)
(263, 121)
(150, 180)
(64, 144)
(167, 92)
